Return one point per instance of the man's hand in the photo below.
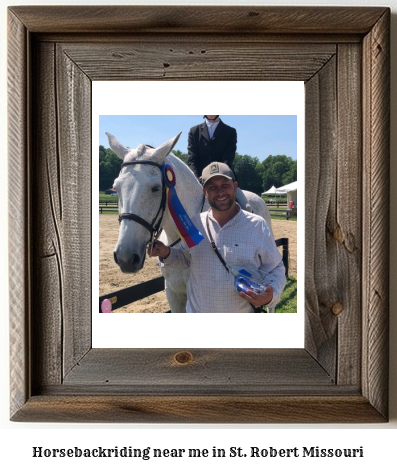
(158, 249)
(258, 299)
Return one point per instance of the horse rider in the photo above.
(210, 141)
(245, 242)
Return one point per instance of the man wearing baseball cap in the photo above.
(234, 240)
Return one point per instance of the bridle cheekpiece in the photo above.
(154, 227)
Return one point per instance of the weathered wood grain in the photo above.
(199, 409)
(205, 369)
(208, 59)
(376, 205)
(334, 211)
(48, 253)
(196, 20)
(74, 148)
(320, 173)
(346, 228)
(341, 375)
(62, 223)
(19, 222)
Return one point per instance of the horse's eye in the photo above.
(155, 189)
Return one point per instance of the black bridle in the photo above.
(154, 227)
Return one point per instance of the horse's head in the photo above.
(141, 194)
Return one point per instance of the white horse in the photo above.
(144, 213)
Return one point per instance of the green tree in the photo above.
(109, 167)
(180, 155)
(292, 174)
(277, 170)
(245, 169)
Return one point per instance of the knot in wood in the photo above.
(337, 308)
(338, 235)
(183, 358)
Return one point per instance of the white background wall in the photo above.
(379, 441)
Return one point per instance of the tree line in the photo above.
(251, 173)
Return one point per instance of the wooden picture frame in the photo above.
(342, 54)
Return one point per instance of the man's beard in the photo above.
(223, 205)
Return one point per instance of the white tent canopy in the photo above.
(287, 188)
(272, 191)
(291, 190)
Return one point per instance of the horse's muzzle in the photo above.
(132, 265)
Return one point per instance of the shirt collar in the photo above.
(232, 221)
(211, 124)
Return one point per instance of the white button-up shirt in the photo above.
(211, 126)
(244, 242)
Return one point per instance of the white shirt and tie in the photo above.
(211, 126)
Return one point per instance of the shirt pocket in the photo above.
(240, 255)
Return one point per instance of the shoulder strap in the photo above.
(214, 246)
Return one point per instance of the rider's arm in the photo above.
(229, 151)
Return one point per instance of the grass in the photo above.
(107, 198)
(288, 302)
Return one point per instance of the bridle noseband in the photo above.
(153, 227)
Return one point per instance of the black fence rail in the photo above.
(284, 212)
(133, 293)
(137, 292)
(103, 210)
(108, 203)
(276, 203)
(108, 207)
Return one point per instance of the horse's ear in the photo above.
(160, 153)
(118, 148)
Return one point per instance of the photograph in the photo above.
(254, 160)
(262, 142)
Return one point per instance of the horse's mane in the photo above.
(180, 164)
(171, 158)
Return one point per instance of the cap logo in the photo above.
(214, 168)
